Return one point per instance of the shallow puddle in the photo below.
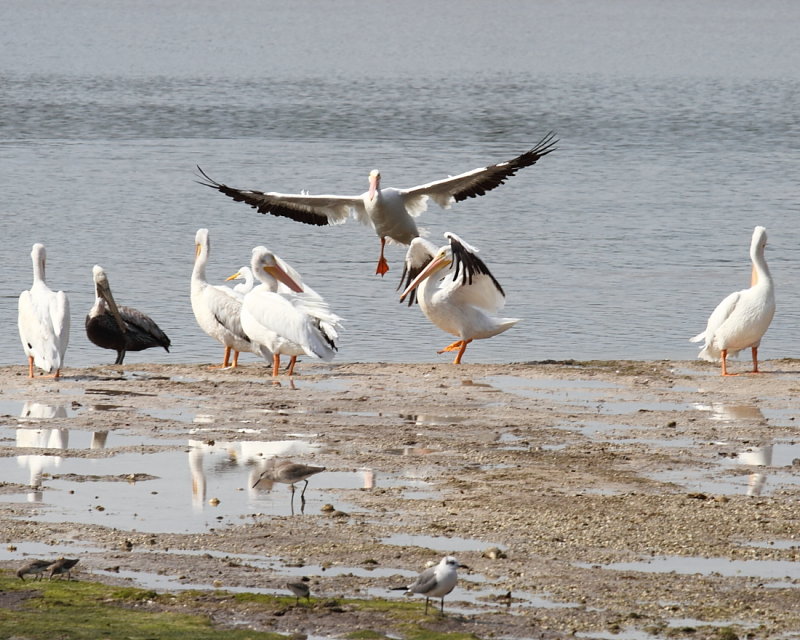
(778, 570)
(431, 419)
(594, 396)
(32, 411)
(764, 468)
(192, 486)
(440, 543)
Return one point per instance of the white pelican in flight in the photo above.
(280, 316)
(119, 328)
(463, 300)
(741, 319)
(390, 212)
(43, 320)
(217, 309)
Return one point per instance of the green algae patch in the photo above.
(72, 610)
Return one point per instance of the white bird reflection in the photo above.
(732, 412)
(45, 438)
(27, 438)
(756, 457)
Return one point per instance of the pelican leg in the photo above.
(120, 356)
(755, 359)
(276, 369)
(30, 366)
(461, 351)
(452, 347)
(225, 360)
(383, 266)
(724, 356)
(292, 362)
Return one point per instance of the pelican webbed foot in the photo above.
(383, 266)
(452, 347)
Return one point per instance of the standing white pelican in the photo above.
(217, 309)
(390, 212)
(242, 289)
(120, 328)
(742, 319)
(464, 299)
(43, 320)
(285, 320)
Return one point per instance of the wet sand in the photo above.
(545, 476)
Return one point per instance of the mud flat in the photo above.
(609, 499)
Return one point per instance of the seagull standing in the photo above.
(437, 581)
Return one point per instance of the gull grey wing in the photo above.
(478, 181)
(317, 210)
(425, 582)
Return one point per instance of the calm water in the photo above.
(679, 127)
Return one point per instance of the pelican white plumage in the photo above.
(217, 309)
(43, 320)
(464, 299)
(742, 318)
(280, 316)
(390, 212)
(243, 288)
(119, 327)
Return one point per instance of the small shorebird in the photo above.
(61, 566)
(436, 581)
(34, 567)
(288, 472)
(300, 590)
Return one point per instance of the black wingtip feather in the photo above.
(253, 198)
(467, 265)
(498, 174)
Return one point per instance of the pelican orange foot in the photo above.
(452, 347)
(383, 266)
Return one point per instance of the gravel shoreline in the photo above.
(552, 470)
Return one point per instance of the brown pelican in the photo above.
(120, 328)
(43, 320)
(463, 299)
(390, 212)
